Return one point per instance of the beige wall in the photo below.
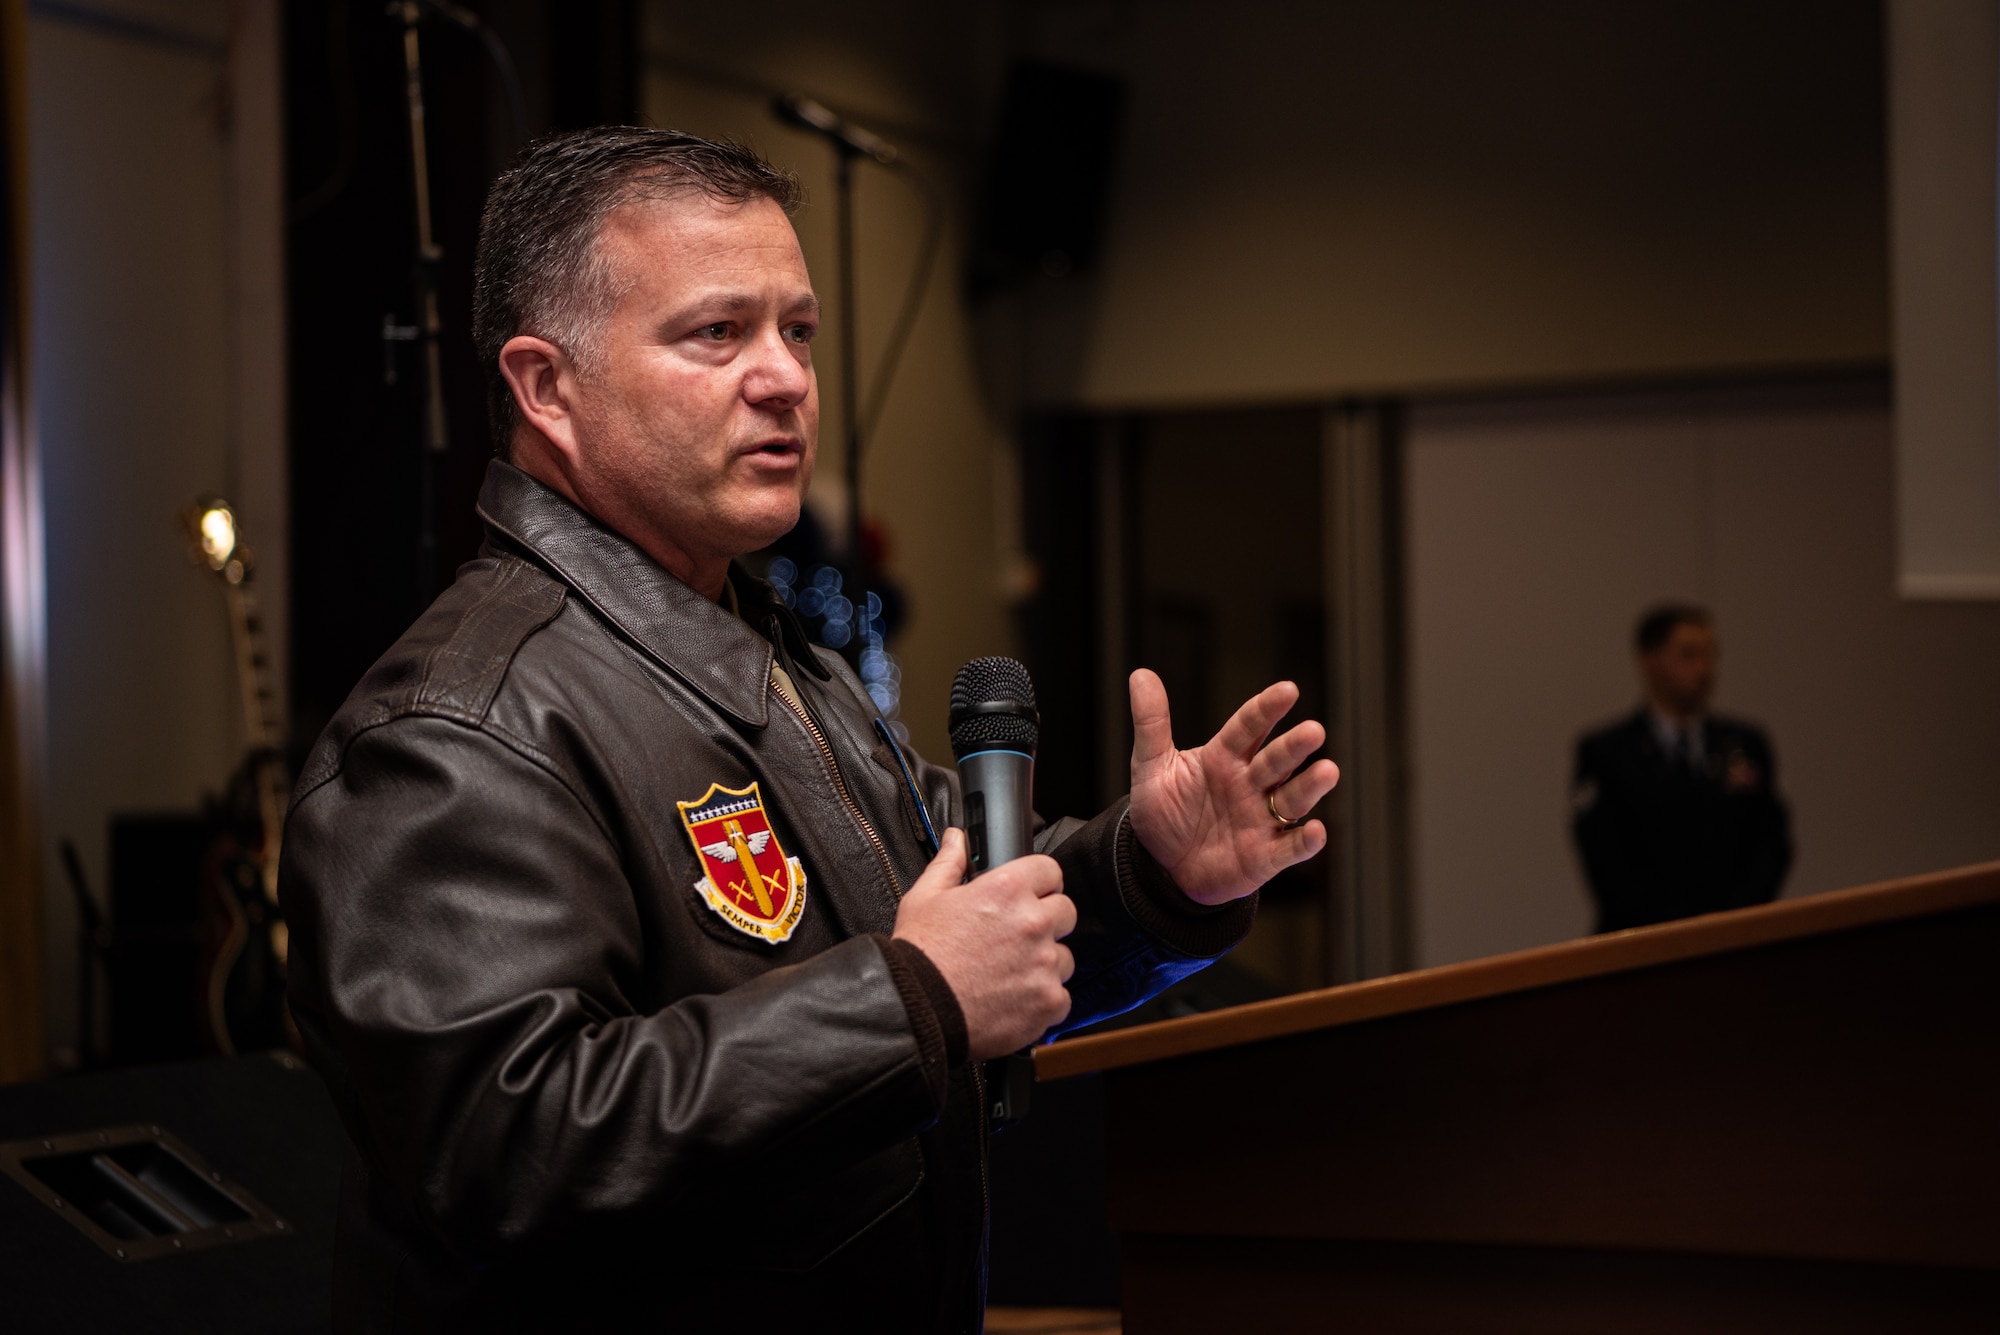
(157, 361)
(1383, 195)
(1537, 532)
(939, 458)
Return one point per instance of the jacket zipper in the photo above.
(983, 1125)
(840, 785)
(978, 1075)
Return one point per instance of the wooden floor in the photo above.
(1052, 1321)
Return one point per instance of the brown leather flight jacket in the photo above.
(576, 1097)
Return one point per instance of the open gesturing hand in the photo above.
(1205, 815)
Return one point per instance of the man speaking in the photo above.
(615, 933)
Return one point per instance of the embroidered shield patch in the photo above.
(747, 878)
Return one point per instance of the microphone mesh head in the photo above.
(1008, 718)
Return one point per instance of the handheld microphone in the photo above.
(994, 728)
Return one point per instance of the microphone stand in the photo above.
(850, 143)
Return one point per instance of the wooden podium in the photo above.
(1784, 1118)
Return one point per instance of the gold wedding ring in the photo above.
(1271, 801)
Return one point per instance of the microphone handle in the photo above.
(999, 788)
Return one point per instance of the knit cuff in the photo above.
(935, 1017)
(1204, 931)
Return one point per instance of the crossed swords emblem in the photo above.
(743, 849)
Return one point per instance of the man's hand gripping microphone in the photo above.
(994, 729)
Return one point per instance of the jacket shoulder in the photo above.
(452, 662)
(1624, 735)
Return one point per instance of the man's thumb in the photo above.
(948, 867)
(1152, 723)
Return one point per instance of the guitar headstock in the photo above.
(214, 540)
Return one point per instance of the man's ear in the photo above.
(544, 383)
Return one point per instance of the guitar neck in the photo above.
(253, 669)
(261, 727)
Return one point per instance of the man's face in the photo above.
(1680, 674)
(697, 430)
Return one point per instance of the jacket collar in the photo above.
(713, 651)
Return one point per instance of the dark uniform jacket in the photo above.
(576, 1097)
(1662, 838)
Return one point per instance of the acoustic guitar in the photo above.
(245, 940)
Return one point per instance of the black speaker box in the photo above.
(155, 959)
(1049, 175)
(256, 1134)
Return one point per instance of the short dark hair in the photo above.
(539, 269)
(1657, 626)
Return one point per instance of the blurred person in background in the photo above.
(1676, 809)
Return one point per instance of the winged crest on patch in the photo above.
(746, 877)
